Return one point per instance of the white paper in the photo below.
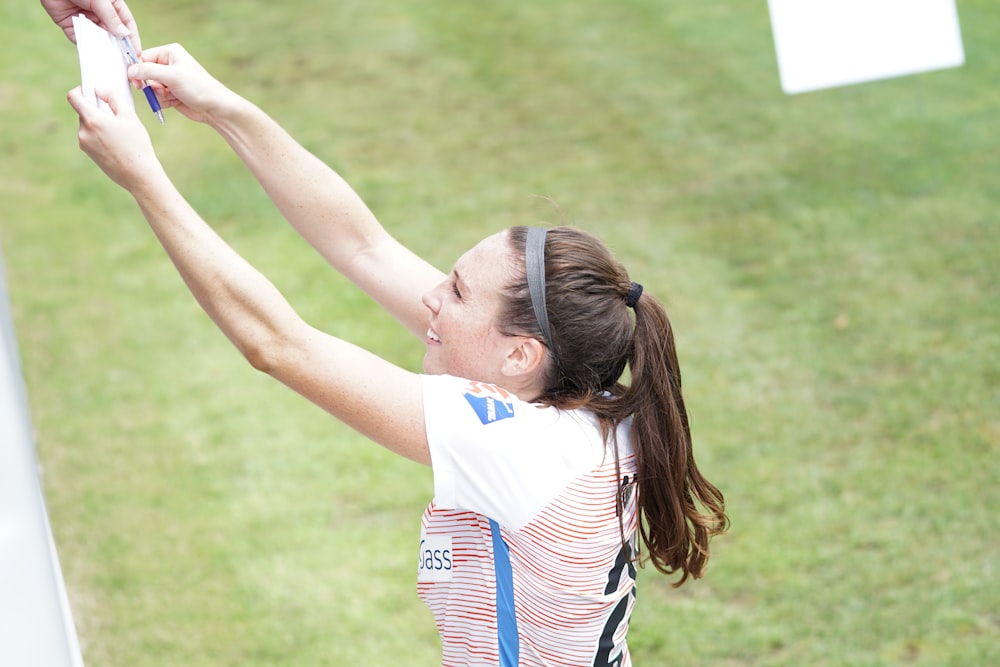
(102, 64)
(827, 43)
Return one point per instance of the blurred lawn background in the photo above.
(829, 261)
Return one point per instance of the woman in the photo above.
(546, 468)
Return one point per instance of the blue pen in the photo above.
(133, 59)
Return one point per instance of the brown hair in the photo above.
(595, 340)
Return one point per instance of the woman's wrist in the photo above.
(230, 111)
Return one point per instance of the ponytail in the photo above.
(580, 310)
(680, 509)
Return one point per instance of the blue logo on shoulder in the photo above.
(489, 402)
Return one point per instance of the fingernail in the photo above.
(133, 71)
(123, 31)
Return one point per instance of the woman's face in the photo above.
(462, 338)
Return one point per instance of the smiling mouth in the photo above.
(433, 336)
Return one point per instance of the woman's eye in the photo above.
(454, 290)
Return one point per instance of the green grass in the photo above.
(828, 261)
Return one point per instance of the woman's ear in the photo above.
(525, 356)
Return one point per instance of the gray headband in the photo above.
(534, 261)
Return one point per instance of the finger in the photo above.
(84, 108)
(166, 99)
(107, 14)
(113, 98)
(166, 54)
(163, 93)
(125, 14)
(70, 33)
(78, 102)
(166, 75)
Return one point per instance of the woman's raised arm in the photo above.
(378, 399)
(318, 203)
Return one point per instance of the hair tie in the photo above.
(534, 260)
(634, 292)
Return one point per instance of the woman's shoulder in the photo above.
(491, 403)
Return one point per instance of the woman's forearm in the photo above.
(328, 213)
(242, 302)
(313, 197)
(380, 400)
(316, 200)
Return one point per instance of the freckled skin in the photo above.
(470, 345)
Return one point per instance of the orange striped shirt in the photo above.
(521, 555)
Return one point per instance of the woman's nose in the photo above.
(432, 300)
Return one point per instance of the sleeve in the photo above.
(496, 455)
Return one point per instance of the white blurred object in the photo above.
(36, 624)
(828, 43)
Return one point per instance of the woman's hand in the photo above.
(181, 82)
(112, 15)
(116, 141)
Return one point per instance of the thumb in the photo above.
(85, 108)
(79, 103)
(113, 98)
(146, 71)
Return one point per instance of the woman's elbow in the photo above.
(258, 357)
(274, 353)
(264, 353)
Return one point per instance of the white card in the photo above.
(827, 43)
(102, 64)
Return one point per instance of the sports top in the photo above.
(522, 560)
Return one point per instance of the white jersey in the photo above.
(521, 553)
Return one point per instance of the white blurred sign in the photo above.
(827, 43)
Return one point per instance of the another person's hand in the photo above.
(116, 141)
(112, 15)
(181, 82)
